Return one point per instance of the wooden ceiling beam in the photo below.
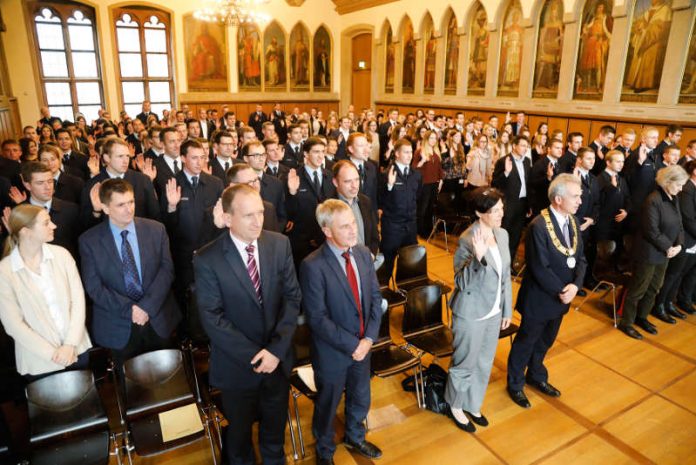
(349, 6)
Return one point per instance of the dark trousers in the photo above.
(529, 348)
(395, 236)
(267, 403)
(355, 380)
(513, 223)
(589, 246)
(424, 209)
(672, 280)
(687, 288)
(645, 283)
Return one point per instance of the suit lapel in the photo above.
(143, 246)
(107, 240)
(310, 181)
(338, 271)
(265, 266)
(239, 268)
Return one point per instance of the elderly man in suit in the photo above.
(127, 271)
(343, 304)
(249, 300)
(555, 271)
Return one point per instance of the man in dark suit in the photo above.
(274, 160)
(541, 175)
(277, 117)
(569, 159)
(672, 137)
(76, 162)
(401, 186)
(640, 171)
(225, 146)
(385, 130)
(156, 149)
(169, 164)
(188, 195)
(626, 141)
(347, 181)
(134, 138)
(39, 185)
(511, 177)
(601, 145)
(518, 124)
(555, 271)
(10, 162)
(341, 135)
(256, 120)
(241, 173)
(116, 158)
(307, 188)
(127, 271)
(146, 113)
(293, 149)
(272, 189)
(249, 301)
(359, 153)
(343, 304)
(588, 212)
(46, 117)
(66, 186)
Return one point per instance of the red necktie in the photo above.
(353, 282)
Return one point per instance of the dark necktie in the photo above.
(566, 233)
(275, 170)
(353, 283)
(317, 185)
(406, 172)
(66, 157)
(176, 167)
(227, 166)
(297, 152)
(253, 271)
(361, 172)
(134, 289)
(194, 182)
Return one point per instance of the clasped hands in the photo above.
(362, 350)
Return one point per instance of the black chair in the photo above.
(445, 213)
(388, 359)
(157, 382)
(68, 422)
(422, 326)
(209, 397)
(393, 298)
(412, 269)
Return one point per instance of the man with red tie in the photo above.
(343, 305)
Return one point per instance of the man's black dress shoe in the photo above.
(582, 292)
(662, 316)
(630, 332)
(674, 311)
(519, 398)
(646, 326)
(364, 448)
(325, 461)
(686, 307)
(481, 420)
(468, 427)
(544, 388)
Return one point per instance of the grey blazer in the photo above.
(476, 282)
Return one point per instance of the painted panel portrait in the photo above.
(389, 62)
(299, 58)
(478, 57)
(249, 54)
(274, 58)
(429, 56)
(547, 66)
(206, 63)
(452, 58)
(322, 60)
(688, 87)
(409, 58)
(647, 47)
(511, 52)
(595, 36)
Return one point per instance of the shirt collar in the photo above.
(401, 167)
(336, 251)
(241, 245)
(46, 205)
(561, 218)
(349, 202)
(116, 231)
(17, 261)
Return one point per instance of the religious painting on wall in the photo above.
(511, 52)
(430, 56)
(299, 58)
(389, 61)
(647, 46)
(478, 55)
(206, 51)
(274, 57)
(452, 57)
(249, 53)
(688, 87)
(547, 68)
(322, 60)
(408, 76)
(595, 36)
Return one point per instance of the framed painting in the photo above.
(478, 51)
(595, 36)
(452, 59)
(206, 55)
(322, 60)
(249, 55)
(300, 74)
(389, 61)
(547, 66)
(409, 58)
(511, 43)
(274, 58)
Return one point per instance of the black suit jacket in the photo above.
(567, 162)
(599, 164)
(661, 228)
(282, 173)
(280, 125)
(218, 170)
(510, 185)
(399, 204)
(273, 191)
(539, 184)
(384, 136)
(369, 181)
(293, 159)
(146, 205)
(641, 181)
(185, 225)
(687, 205)
(142, 116)
(331, 310)
(69, 188)
(589, 208)
(238, 325)
(611, 200)
(547, 272)
(256, 121)
(164, 174)
(102, 276)
(76, 164)
(342, 152)
(10, 169)
(137, 143)
(150, 153)
(306, 235)
(66, 217)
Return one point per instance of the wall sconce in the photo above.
(362, 65)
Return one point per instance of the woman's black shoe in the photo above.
(468, 427)
(480, 420)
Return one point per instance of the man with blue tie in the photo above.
(343, 304)
(249, 300)
(127, 271)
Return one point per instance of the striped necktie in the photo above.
(253, 271)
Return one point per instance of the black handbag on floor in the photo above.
(435, 380)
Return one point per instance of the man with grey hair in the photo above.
(555, 271)
(343, 305)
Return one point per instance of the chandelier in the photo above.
(232, 12)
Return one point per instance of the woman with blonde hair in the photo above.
(42, 302)
(427, 160)
(479, 163)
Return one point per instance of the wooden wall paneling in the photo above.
(582, 126)
(596, 126)
(533, 121)
(662, 128)
(557, 123)
(622, 126)
(688, 135)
